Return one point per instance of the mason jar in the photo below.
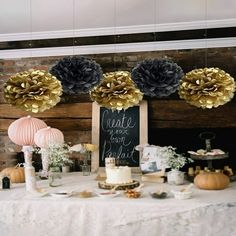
(55, 176)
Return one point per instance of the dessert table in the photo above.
(206, 213)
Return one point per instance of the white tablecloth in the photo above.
(206, 213)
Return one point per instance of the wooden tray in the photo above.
(131, 185)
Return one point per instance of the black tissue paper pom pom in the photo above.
(157, 77)
(78, 75)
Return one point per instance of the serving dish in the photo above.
(108, 194)
(61, 194)
(182, 195)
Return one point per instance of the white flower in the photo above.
(78, 148)
(58, 154)
(172, 158)
(140, 147)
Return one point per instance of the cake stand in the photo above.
(131, 185)
(208, 136)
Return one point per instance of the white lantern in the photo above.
(43, 138)
(21, 132)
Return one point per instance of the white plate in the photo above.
(107, 194)
(61, 194)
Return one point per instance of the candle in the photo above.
(110, 162)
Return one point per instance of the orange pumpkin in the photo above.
(211, 181)
(16, 174)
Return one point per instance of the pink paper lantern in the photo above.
(47, 136)
(22, 130)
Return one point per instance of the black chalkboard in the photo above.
(119, 134)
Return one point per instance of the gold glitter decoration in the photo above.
(33, 90)
(207, 88)
(117, 91)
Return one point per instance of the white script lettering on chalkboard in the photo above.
(122, 123)
(117, 133)
(120, 154)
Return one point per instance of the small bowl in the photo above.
(131, 193)
(182, 194)
(159, 195)
(85, 194)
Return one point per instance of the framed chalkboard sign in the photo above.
(117, 133)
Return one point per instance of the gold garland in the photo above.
(117, 91)
(207, 88)
(33, 90)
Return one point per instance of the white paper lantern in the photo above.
(46, 136)
(22, 130)
(43, 138)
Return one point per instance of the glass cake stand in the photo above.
(208, 136)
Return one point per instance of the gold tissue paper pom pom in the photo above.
(207, 88)
(117, 91)
(33, 90)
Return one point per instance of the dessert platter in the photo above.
(213, 154)
(119, 177)
(208, 154)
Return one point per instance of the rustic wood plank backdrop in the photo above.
(161, 114)
(171, 121)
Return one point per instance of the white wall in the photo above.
(22, 16)
(42, 19)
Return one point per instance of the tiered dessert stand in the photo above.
(208, 136)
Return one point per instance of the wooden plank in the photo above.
(180, 111)
(158, 124)
(70, 124)
(161, 114)
(65, 124)
(73, 110)
(4, 124)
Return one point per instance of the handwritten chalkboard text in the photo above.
(119, 134)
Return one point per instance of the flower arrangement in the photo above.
(58, 155)
(83, 148)
(90, 147)
(174, 159)
(86, 148)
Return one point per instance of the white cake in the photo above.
(118, 175)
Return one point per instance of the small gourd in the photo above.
(16, 174)
(211, 181)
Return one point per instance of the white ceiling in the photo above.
(44, 19)
(24, 16)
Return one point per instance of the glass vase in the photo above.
(175, 177)
(55, 177)
(86, 167)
